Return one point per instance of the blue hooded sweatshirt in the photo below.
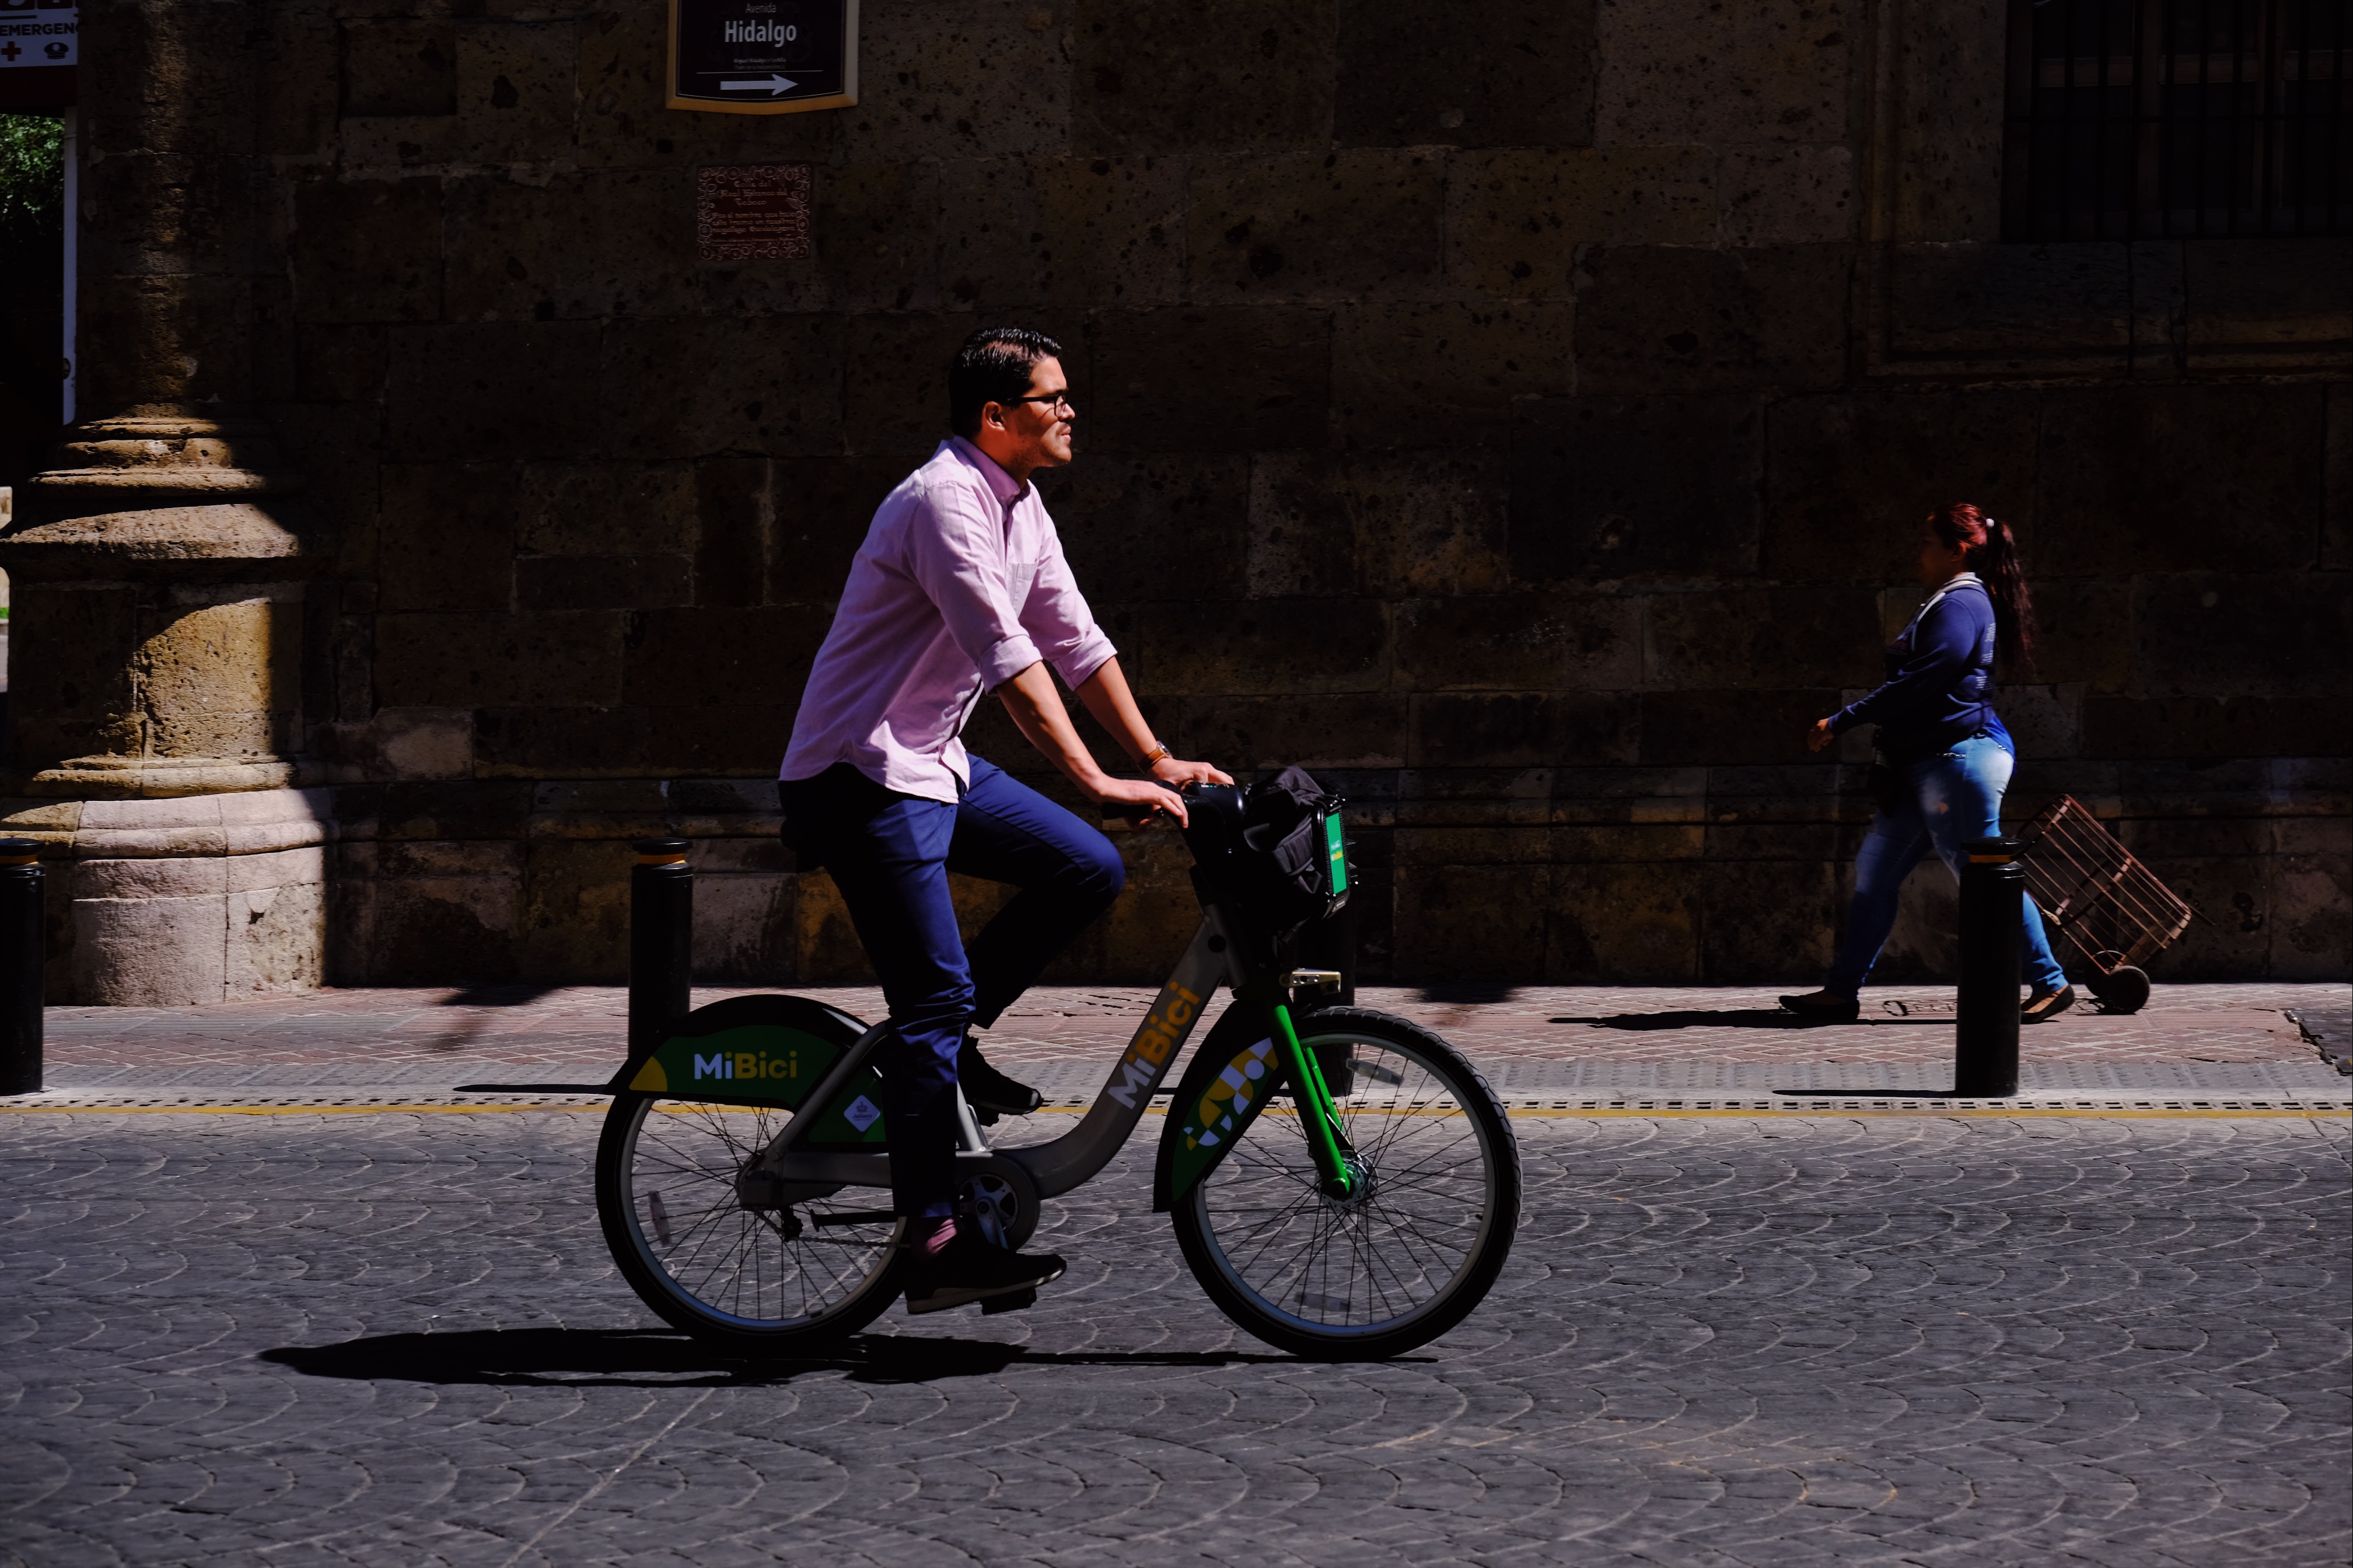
(1939, 686)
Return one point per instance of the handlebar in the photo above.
(1150, 814)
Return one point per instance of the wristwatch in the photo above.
(1157, 754)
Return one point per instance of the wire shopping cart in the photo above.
(2108, 907)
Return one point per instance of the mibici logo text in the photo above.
(747, 1064)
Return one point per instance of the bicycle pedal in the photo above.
(1012, 1303)
(984, 1116)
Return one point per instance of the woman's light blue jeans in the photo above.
(1951, 798)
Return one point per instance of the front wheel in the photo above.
(1411, 1250)
(719, 1257)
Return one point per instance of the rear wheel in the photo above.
(2123, 989)
(1409, 1254)
(720, 1257)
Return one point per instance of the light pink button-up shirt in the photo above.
(959, 587)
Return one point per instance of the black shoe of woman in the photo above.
(969, 1269)
(1821, 1007)
(2046, 1006)
(991, 1092)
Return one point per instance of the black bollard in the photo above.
(1331, 944)
(20, 966)
(662, 941)
(1993, 951)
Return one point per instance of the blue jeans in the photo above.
(890, 854)
(1950, 799)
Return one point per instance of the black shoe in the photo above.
(1821, 1007)
(2047, 1005)
(969, 1269)
(989, 1092)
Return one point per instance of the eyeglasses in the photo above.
(1058, 402)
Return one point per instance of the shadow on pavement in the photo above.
(1469, 993)
(472, 1026)
(1732, 1018)
(514, 995)
(1696, 1018)
(632, 1358)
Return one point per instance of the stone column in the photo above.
(155, 715)
(156, 730)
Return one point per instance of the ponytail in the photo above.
(1989, 551)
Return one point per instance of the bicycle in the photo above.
(1343, 1182)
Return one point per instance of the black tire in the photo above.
(2121, 990)
(1409, 1258)
(743, 1278)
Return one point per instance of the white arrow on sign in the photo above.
(775, 84)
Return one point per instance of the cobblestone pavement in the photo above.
(392, 1339)
(1948, 1336)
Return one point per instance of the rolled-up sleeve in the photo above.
(956, 553)
(1058, 620)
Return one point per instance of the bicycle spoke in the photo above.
(1273, 1231)
(1406, 1236)
(714, 1225)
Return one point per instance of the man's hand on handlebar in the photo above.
(1029, 698)
(1139, 799)
(1142, 799)
(1177, 774)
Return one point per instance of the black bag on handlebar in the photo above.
(1291, 826)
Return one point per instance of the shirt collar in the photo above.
(1960, 580)
(1003, 485)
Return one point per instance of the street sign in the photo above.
(762, 57)
(40, 47)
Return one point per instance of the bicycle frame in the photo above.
(1074, 1159)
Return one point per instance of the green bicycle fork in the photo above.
(1325, 1142)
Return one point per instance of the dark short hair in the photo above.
(993, 366)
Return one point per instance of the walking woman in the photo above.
(1943, 757)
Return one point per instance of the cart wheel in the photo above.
(2121, 990)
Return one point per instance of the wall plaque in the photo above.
(762, 57)
(751, 212)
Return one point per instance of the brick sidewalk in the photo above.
(580, 1029)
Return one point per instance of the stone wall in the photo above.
(1517, 412)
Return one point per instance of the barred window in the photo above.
(2141, 118)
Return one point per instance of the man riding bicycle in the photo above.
(959, 590)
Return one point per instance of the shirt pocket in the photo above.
(1021, 578)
